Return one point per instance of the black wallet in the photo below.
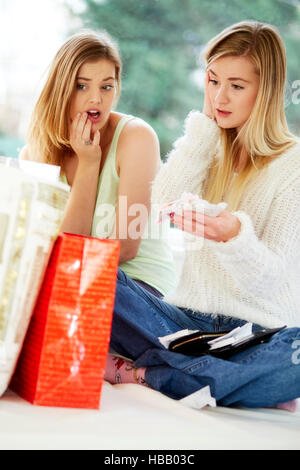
(196, 344)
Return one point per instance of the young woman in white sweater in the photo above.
(241, 266)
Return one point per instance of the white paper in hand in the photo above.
(192, 202)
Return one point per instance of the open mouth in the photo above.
(223, 113)
(94, 116)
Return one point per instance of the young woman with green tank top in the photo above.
(108, 158)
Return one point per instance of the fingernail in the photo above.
(172, 214)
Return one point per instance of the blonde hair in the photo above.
(265, 134)
(48, 136)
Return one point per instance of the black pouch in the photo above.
(196, 344)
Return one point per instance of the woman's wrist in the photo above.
(88, 165)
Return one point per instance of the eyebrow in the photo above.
(230, 78)
(89, 79)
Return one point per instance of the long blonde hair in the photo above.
(48, 135)
(265, 134)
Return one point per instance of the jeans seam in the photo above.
(254, 354)
(152, 303)
(257, 352)
(201, 362)
(163, 325)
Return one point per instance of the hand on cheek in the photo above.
(208, 108)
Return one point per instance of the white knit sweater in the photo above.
(256, 275)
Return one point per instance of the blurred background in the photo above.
(160, 42)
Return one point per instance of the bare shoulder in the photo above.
(138, 132)
(138, 147)
(24, 154)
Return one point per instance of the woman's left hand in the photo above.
(220, 229)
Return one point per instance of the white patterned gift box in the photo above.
(31, 211)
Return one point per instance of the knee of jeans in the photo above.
(291, 337)
(289, 341)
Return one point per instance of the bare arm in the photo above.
(81, 205)
(139, 161)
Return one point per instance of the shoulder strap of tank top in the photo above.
(119, 128)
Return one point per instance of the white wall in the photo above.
(31, 31)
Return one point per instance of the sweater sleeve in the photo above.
(189, 160)
(262, 265)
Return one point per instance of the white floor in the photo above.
(135, 417)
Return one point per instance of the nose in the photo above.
(95, 97)
(222, 95)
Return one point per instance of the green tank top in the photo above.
(154, 261)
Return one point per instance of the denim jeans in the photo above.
(149, 288)
(263, 375)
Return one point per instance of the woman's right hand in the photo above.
(208, 109)
(80, 133)
(79, 213)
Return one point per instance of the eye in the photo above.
(80, 86)
(238, 87)
(214, 82)
(107, 87)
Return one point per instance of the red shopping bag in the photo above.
(63, 358)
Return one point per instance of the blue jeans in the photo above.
(149, 288)
(263, 375)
